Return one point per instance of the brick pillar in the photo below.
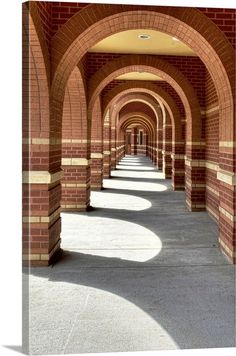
(107, 147)
(134, 137)
(96, 150)
(167, 150)
(41, 223)
(195, 175)
(113, 147)
(76, 179)
(159, 147)
(227, 200)
(178, 166)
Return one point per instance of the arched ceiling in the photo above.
(129, 42)
(138, 107)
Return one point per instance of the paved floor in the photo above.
(139, 272)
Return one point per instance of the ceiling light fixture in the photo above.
(144, 36)
(175, 39)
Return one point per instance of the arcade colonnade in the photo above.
(80, 116)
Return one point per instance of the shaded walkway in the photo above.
(139, 272)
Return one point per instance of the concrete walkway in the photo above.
(139, 272)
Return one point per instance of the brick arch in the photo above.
(154, 65)
(158, 93)
(96, 22)
(135, 97)
(137, 117)
(35, 82)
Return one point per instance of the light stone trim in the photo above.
(75, 162)
(75, 185)
(178, 171)
(212, 166)
(72, 140)
(194, 163)
(227, 144)
(41, 177)
(107, 153)
(113, 149)
(106, 164)
(177, 156)
(195, 185)
(41, 141)
(195, 143)
(226, 177)
(96, 155)
(227, 214)
(96, 171)
(215, 108)
(73, 206)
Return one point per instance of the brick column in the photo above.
(159, 147)
(41, 190)
(167, 150)
(195, 175)
(134, 137)
(178, 166)
(113, 147)
(96, 165)
(227, 199)
(76, 179)
(96, 150)
(107, 147)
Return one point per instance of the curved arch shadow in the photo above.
(184, 284)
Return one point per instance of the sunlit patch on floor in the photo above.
(109, 237)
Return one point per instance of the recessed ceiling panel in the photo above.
(139, 76)
(142, 42)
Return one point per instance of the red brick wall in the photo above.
(225, 19)
(62, 11)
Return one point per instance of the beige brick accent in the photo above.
(43, 256)
(226, 177)
(75, 185)
(227, 214)
(75, 162)
(41, 177)
(96, 155)
(74, 141)
(75, 206)
(213, 191)
(42, 219)
(196, 143)
(215, 108)
(227, 144)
